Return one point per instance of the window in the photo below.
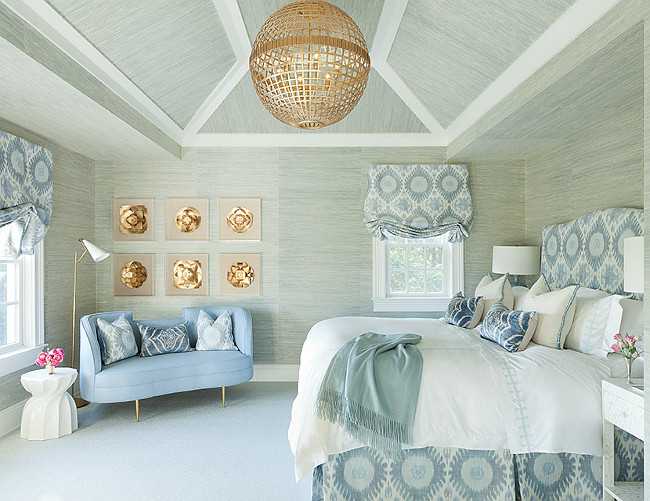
(416, 275)
(21, 311)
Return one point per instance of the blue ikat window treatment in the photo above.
(418, 201)
(25, 195)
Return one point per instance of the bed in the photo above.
(538, 433)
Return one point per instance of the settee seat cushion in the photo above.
(138, 371)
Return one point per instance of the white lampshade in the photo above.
(95, 252)
(515, 259)
(633, 264)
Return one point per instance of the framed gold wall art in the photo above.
(240, 219)
(186, 274)
(133, 219)
(240, 274)
(133, 274)
(187, 219)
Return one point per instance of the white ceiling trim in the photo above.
(567, 28)
(389, 21)
(53, 26)
(307, 140)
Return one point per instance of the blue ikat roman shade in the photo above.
(418, 201)
(25, 195)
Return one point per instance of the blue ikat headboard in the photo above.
(589, 250)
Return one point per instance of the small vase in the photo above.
(628, 362)
(50, 370)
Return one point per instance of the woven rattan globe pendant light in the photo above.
(309, 64)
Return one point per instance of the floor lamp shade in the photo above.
(633, 264)
(95, 252)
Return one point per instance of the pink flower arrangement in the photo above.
(52, 358)
(626, 345)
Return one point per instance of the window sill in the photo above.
(429, 304)
(18, 359)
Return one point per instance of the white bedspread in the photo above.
(473, 395)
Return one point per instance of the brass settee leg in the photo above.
(137, 411)
(223, 396)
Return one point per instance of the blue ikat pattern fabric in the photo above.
(464, 312)
(116, 340)
(589, 250)
(512, 329)
(214, 334)
(25, 195)
(159, 341)
(418, 201)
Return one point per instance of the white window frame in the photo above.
(384, 301)
(32, 332)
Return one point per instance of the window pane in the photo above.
(9, 282)
(9, 325)
(416, 281)
(3, 282)
(434, 280)
(398, 281)
(416, 257)
(397, 257)
(434, 257)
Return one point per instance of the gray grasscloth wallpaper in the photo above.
(316, 253)
(73, 217)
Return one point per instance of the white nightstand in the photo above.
(622, 407)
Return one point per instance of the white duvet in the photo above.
(473, 394)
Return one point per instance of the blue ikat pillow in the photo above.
(464, 312)
(512, 329)
(159, 341)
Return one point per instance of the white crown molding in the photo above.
(10, 417)
(56, 29)
(307, 140)
(390, 18)
(275, 373)
(566, 29)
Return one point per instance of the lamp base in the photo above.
(517, 283)
(80, 402)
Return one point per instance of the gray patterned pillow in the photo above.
(160, 341)
(214, 334)
(116, 340)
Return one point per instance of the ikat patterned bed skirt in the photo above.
(445, 474)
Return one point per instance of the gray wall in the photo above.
(316, 252)
(73, 217)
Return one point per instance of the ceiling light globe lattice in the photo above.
(309, 64)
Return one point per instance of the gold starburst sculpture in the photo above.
(133, 219)
(309, 64)
(240, 219)
(187, 274)
(187, 219)
(133, 274)
(241, 274)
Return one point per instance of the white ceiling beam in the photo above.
(580, 16)
(316, 140)
(53, 26)
(233, 23)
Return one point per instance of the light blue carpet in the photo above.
(186, 446)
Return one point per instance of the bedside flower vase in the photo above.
(628, 363)
(49, 368)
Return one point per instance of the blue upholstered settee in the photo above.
(138, 377)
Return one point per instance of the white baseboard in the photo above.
(10, 418)
(275, 373)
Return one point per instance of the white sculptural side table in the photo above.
(51, 411)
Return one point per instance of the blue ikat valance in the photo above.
(25, 195)
(418, 201)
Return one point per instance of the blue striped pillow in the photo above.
(159, 341)
(512, 329)
(464, 312)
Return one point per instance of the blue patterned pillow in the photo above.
(116, 340)
(512, 329)
(214, 334)
(464, 312)
(159, 341)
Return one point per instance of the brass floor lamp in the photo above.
(98, 255)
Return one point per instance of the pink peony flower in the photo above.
(616, 348)
(629, 339)
(58, 358)
(618, 336)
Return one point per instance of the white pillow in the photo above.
(493, 291)
(631, 320)
(556, 310)
(597, 318)
(518, 292)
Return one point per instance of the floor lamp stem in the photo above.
(80, 402)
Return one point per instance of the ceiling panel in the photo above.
(604, 90)
(449, 51)
(365, 14)
(379, 111)
(175, 51)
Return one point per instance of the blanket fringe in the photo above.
(365, 425)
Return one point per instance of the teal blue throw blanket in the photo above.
(371, 388)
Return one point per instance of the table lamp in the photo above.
(633, 264)
(98, 255)
(516, 260)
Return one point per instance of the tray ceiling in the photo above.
(438, 65)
